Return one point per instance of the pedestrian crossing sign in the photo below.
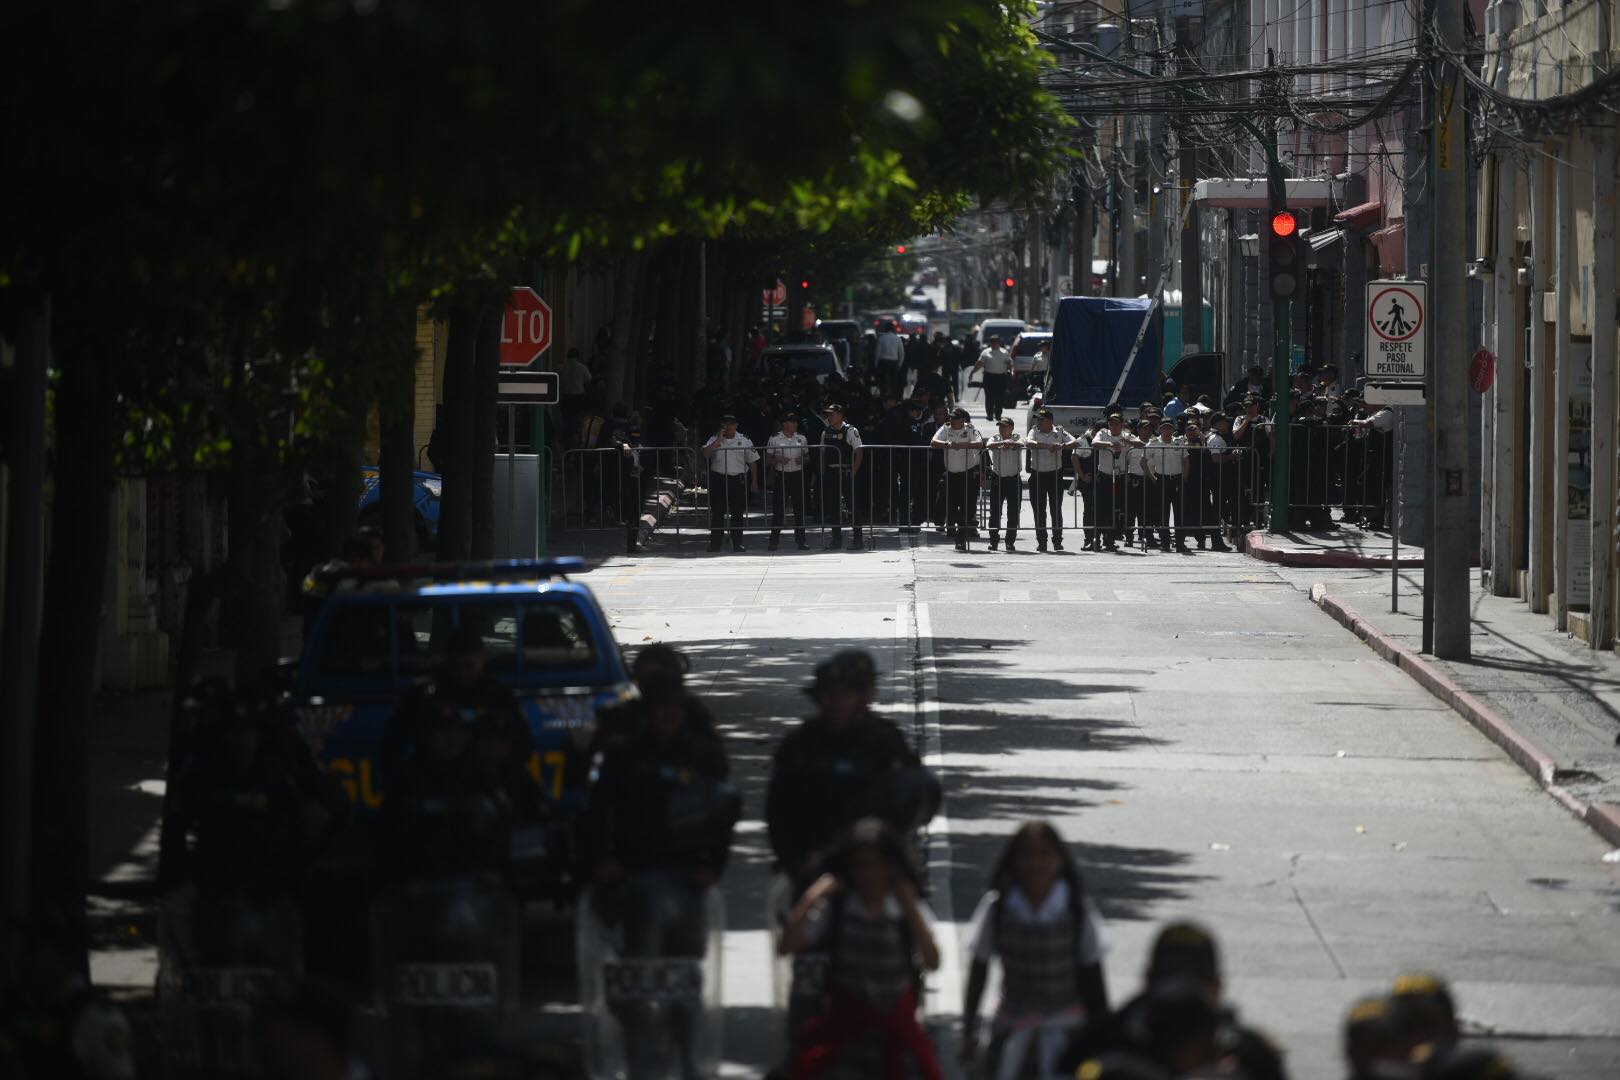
(1396, 318)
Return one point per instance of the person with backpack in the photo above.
(866, 914)
(1038, 923)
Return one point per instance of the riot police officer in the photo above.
(461, 688)
(843, 764)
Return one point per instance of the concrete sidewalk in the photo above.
(1346, 547)
(1550, 702)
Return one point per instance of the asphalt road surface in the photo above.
(1214, 747)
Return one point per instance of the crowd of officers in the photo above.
(904, 454)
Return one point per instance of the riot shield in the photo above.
(446, 962)
(649, 979)
(799, 983)
(220, 953)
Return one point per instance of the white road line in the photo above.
(945, 987)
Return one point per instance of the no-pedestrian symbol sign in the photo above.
(1396, 318)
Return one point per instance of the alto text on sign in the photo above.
(1397, 320)
(525, 328)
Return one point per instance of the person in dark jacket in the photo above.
(462, 689)
(661, 802)
(841, 765)
(456, 798)
(1183, 964)
(657, 824)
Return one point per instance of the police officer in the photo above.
(841, 479)
(785, 454)
(660, 802)
(961, 443)
(630, 486)
(456, 798)
(461, 689)
(1047, 445)
(733, 469)
(1165, 462)
(248, 809)
(1006, 485)
(1108, 448)
(843, 764)
(997, 365)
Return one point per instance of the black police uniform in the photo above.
(441, 699)
(841, 483)
(823, 780)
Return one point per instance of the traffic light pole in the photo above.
(1282, 316)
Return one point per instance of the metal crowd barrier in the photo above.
(1158, 497)
(607, 488)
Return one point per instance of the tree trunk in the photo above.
(69, 637)
(253, 586)
(396, 444)
(455, 436)
(396, 439)
(485, 377)
(626, 286)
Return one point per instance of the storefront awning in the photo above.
(1360, 217)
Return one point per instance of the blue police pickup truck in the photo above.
(382, 630)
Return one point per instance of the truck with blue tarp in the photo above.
(1105, 351)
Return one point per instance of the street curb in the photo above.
(1603, 818)
(1257, 546)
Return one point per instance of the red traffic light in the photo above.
(1011, 283)
(900, 249)
(1283, 223)
(804, 284)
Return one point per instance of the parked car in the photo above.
(426, 489)
(1027, 361)
(819, 360)
(1005, 329)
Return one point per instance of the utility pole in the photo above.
(1192, 260)
(1448, 302)
(19, 630)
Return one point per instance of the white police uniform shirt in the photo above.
(1109, 450)
(1164, 458)
(996, 361)
(959, 461)
(1043, 460)
(789, 451)
(1008, 462)
(1215, 442)
(731, 456)
(1383, 421)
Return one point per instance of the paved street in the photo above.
(1215, 746)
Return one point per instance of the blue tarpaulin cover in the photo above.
(1090, 343)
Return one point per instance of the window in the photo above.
(498, 627)
(555, 637)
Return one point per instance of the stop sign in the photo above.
(526, 329)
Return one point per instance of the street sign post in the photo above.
(526, 328)
(529, 387)
(1397, 322)
(522, 389)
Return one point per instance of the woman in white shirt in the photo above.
(1038, 922)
